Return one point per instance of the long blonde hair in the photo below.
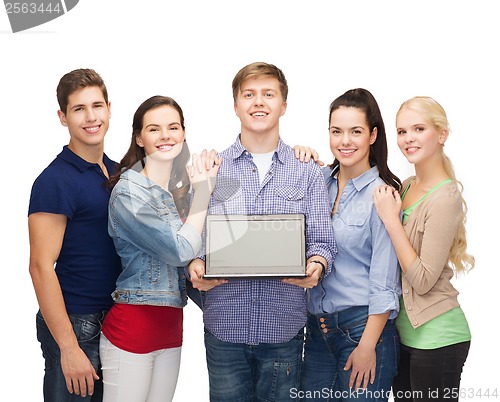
(460, 259)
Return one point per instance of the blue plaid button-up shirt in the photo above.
(267, 310)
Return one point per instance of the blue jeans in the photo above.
(248, 373)
(330, 339)
(87, 328)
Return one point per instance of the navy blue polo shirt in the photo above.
(88, 264)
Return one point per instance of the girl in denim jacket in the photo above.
(156, 230)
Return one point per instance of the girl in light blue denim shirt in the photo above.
(352, 346)
(155, 237)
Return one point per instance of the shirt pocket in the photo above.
(350, 231)
(227, 198)
(289, 199)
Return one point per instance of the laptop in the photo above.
(255, 246)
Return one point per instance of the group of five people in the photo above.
(376, 311)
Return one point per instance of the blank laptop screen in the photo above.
(255, 245)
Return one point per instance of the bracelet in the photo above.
(323, 266)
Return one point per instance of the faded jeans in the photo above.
(330, 339)
(87, 328)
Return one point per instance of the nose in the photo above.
(409, 137)
(259, 99)
(346, 138)
(90, 115)
(165, 134)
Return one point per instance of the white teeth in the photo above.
(413, 149)
(259, 114)
(165, 147)
(92, 129)
(347, 151)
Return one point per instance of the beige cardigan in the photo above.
(431, 228)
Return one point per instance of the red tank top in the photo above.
(143, 329)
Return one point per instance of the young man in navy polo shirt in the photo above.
(67, 222)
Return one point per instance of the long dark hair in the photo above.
(135, 157)
(363, 99)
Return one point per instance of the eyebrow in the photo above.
(83, 105)
(351, 128)
(168, 125)
(262, 90)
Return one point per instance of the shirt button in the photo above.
(322, 319)
(325, 330)
(323, 325)
(254, 170)
(415, 322)
(408, 308)
(407, 291)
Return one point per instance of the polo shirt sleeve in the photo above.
(53, 193)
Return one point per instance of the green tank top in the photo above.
(446, 329)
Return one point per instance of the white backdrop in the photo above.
(190, 50)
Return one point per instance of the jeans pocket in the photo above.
(354, 332)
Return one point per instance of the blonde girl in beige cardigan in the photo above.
(430, 241)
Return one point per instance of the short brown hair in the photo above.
(259, 70)
(76, 80)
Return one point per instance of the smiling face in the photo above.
(162, 135)
(259, 105)
(350, 140)
(87, 117)
(418, 139)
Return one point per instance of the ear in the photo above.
(109, 109)
(138, 141)
(236, 109)
(373, 135)
(283, 108)
(443, 136)
(62, 118)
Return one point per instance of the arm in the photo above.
(441, 222)
(196, 268)
(383, 301)
(388, 204)
(46, 232)
(363, 359)
(320, 240)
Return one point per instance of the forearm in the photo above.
(404, 250)
(52, 306)
(374, 327)
(198, 210)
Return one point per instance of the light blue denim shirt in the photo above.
(366, 270)
(152, 242)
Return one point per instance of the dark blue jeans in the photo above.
(330, 339)
(430, 375)
(87, 330)
(249, 373)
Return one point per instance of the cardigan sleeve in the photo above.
(434, 237)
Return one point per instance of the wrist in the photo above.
(323, 268)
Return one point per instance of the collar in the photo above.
(81, 164)
(237, 150)
(362, 180)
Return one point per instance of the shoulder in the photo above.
(57, 174)
(445, 202)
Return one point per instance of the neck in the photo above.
(158, 172)
(428, 175)
(260, 143)
(89, 153)
(351, 172)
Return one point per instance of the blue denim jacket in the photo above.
(152, 242)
